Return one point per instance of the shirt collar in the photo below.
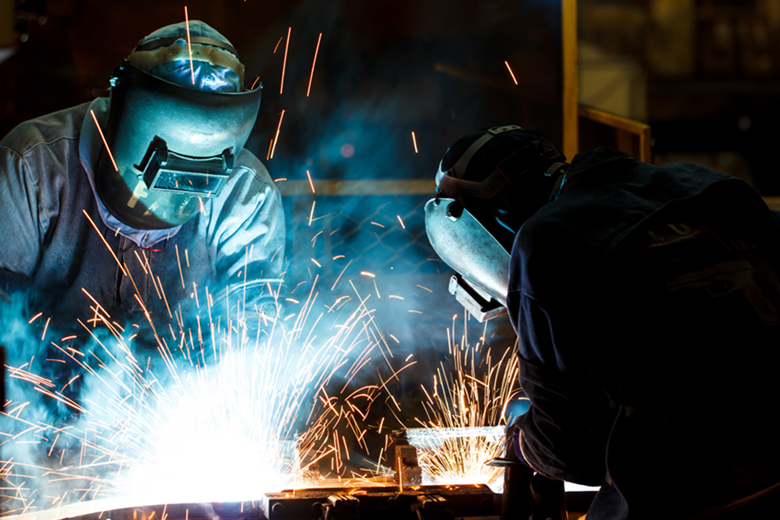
(90, 145)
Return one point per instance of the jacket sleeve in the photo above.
(564, 433)
(20, 232)
(246, 235)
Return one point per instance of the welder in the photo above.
(647, 305)
(145, 205)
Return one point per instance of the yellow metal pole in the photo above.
(570, 78)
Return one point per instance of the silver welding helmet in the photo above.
(488, 184)
(175, 126)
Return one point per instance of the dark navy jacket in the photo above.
(647, 372)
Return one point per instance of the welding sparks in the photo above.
(100, 131)
(401, 221)
(414, 141)
(310, 182)
(284, 63)
(240, 406)
(189, 44)
(313, 63)
(510, 72)
(466, 414)
(276, 137)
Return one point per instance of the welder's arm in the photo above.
(21, 196)
(246, 234)
(564, 433)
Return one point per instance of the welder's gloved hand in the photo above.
(514, 432)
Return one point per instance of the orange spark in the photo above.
(510, 72)
(178, 261)
(277, 43)
(104, 240)
(45, 327)
(189, 44)
(311, 76)
(310, 182)
(284, 63)
(276, 137)
(110, 155)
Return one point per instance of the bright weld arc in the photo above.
(314, 62)
(189, 44)
(110, 155)
(284, 64)
(510, 71)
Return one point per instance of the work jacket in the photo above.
(646, 302)
(58, 240)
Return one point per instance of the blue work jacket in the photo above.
(60, 241)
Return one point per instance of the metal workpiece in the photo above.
(340, 507)
(409, 471)
(431, 507)
(405, 463)
(381, 503)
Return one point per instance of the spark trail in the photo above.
(247, 410)
(465, 407)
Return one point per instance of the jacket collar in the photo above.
(604, 159)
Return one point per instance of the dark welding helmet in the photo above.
(175, 126)
(488, 184)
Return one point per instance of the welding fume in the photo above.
(129, 222)
(647, 302)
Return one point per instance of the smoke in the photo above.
(383, 71)
(435, 69)
(251, 410)
(57, 407)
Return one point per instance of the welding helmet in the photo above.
(178, 118)
(488, 184)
